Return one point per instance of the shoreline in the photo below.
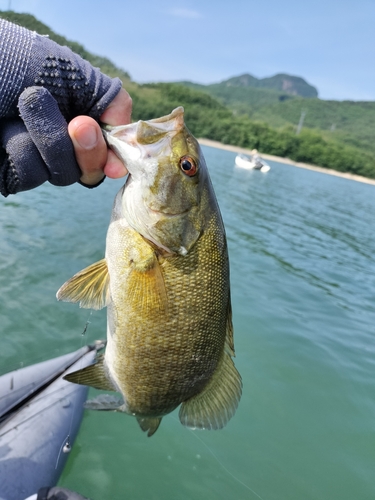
(236, 149)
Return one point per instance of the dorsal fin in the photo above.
(217, 403)
(229, 340)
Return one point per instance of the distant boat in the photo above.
(252, 163)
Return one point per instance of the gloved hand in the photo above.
(42, 87)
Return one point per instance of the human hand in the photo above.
(90, 148)
(37, 146)
(47, 86)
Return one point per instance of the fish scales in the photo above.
(165, 282)
(149, 367)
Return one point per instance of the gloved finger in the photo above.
(49, 132)
(21, 166)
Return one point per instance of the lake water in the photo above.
(302, 250)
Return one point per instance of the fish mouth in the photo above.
(168, 214)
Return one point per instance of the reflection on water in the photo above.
(302, 248)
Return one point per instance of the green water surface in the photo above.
(302, 249)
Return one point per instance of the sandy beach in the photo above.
(235, 149)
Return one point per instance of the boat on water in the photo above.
(40, 415)
(253, 162)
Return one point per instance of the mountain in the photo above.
(252, 113)
(348, 122)
(292, 85)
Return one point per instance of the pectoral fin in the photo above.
(146, 285)
(149, 424)
(217, 403)
(93, 375)
(89, 287)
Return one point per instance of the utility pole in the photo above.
(299, 126)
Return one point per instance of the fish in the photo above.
(165, 282)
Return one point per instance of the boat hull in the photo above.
(40, 418)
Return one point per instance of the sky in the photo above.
(329, 43)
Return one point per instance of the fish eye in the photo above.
(188, 165)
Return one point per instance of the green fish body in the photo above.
(165, 282)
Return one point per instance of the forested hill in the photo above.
(286, 84)
(347, 122)
(335, 135)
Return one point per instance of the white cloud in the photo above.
(185, 13)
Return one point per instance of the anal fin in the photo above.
(94, 375)
(149, 424)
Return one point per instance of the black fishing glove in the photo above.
(42, 87)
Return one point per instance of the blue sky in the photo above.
(330, 43)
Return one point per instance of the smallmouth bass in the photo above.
(165, 283)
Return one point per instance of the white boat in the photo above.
(252, 163)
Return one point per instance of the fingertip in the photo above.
(114, 167)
